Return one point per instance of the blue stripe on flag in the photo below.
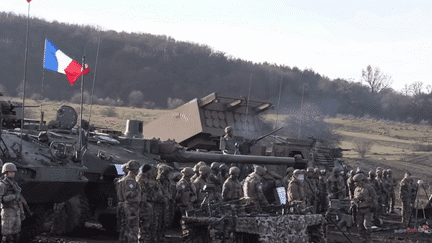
(50, 60)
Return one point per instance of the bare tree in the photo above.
(136, 98)
(416, 88)
(376, 79)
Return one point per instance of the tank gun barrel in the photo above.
(184, 156)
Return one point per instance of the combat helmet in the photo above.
(260, 170)
(215, 165)
(234, 170)
(9, 167)
(289, 169)
(336, 170)
(187, 171)
(359, 177)
(228, 129)
(204, 170)
(223, 167)
(132, 165)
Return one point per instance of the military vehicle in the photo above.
(46, 179)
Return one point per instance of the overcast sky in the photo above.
(334, 38)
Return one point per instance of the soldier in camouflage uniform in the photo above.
(11, 204)
(121, 223)
(296, 187)
(253, 189)
(311, 188)
(336, 185)
(406, 197)
(350, 184)
(186, 191)
(383, 191)
(227, 142)
(169, 191)
(130, 195)
(146, 208)
(365, 200)
(322, 193)
(196, 170)
(373, 182)
(224, 172)
(391, 189)
(201, 181)
(288, 175)
(232, 189)
(216, 180)
(386, 184)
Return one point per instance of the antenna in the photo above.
(247, 108)
(94, 77)
(277, 112)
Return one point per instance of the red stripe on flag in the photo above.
(73, 72)
(28, 0)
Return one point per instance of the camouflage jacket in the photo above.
(199, 184)
(405, 190)
(335, 184)
(295, 191)
(253, 189)
(129, 190)
(365, 197)
(186, 192)
(227, 144)
(231, 190)
(153, 191)
(351, 186)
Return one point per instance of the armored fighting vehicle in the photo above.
(46, 179)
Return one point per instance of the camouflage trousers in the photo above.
(131, 217)
(120, 222)
(147, 227)
(158, 221)
(406, 210)
(10, 221)
(364, 224)
(391, 202)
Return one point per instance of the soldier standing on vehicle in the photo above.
(121, 223)
(253, 189)
(406, 197)
(336, 184)
(11, 204)
(186, 191)
(130, 195)
(391, 189)
(364, 201)
(296, 187)
(232, 189)
(227, 142)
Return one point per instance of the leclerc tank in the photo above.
(46, 179)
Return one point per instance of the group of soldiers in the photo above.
(149, 196)
(371, 195)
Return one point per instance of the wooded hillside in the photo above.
(161, 68)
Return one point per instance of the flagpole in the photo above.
(81, 110)
(25, 76)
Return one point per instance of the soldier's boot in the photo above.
(4, 239)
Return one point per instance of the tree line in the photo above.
(157, 71)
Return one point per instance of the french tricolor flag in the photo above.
(56, 60)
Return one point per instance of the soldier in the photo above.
(253, 189)
(391, 189)
(336, 184)
(232, 189)
(386, 197)
(350, 184)
(227, 142)
(11, 204)
(196, 170)
(311, 188)
(322, 192)
(364, 201)
(216, 180)
(383, 191)
(224, 172)
(186, 191)
(169, 191)
(201, 181)
(130, 195)
(296, 187)
(286, 180)
(373, 182)
(146, 208)
(121, 223)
